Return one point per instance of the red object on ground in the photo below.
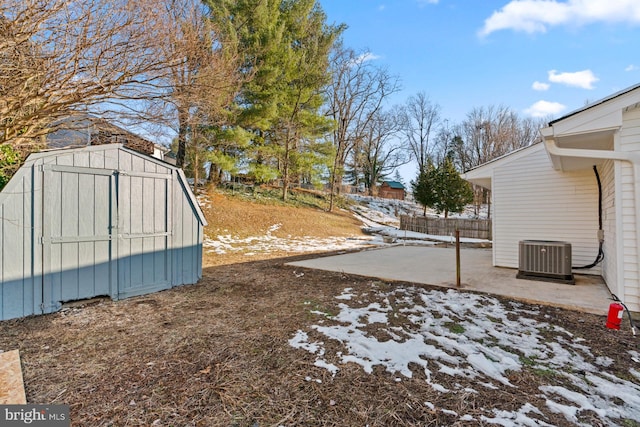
(616, 310)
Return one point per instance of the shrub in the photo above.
(10, 161)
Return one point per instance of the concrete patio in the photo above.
(437, 266)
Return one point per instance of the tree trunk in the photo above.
(182, 139)
(285, 169)
(285, 184)
(331, 195)
(333, 180)
(196, 174)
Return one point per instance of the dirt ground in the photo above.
(217, 354)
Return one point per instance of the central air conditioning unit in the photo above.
(545, 260)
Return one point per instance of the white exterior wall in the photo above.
(532, 201)
(629, 140)
(610, 265)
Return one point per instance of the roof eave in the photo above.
(595, 104)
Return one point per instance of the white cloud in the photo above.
(540, 86)
(545, 109)
(367, 56)
(631, 67)
(424, 2)
(536, 16)
(364, 57)
(382, 7)
(583, 79)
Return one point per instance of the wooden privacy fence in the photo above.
(471, 228)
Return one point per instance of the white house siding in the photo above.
(629, 141)
(532, 201)
(609, 264)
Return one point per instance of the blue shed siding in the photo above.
(95, 221)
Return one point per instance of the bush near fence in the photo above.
(470, 228)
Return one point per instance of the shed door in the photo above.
(144, 259)
(78, 222)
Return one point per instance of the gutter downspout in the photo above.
(627, 156)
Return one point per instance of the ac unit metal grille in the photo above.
(545, 260)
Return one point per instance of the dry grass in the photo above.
(235, 215)
(217, 353)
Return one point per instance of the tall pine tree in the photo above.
(286, 44)
(452, 192)
(442, 188)
(424, 187)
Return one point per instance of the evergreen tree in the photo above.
(10, 161)
(303, 60)
(256, 27)
(424, 187)
(452, 193)
(397, 177)
(286, 46)
(442, 188)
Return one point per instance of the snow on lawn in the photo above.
(267, 243)
(473, 338)
(388, 211)
(377, 215)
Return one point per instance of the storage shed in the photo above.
(95, 221)
(391, 190)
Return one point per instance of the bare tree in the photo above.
(420, 122)
(61, 57)
(380, 151)
(355, 96)
(204, 76)
(446, 141)
(145, 63)
(488, 133)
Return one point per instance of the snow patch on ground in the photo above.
(473, 337)
(268, 243)
(447, 333)
(379, 218)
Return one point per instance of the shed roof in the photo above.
(179, 173)
(395, 184)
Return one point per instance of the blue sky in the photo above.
(542, 58)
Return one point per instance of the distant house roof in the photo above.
(394, 184)
(83, 130)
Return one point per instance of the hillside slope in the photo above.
(251, 223)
